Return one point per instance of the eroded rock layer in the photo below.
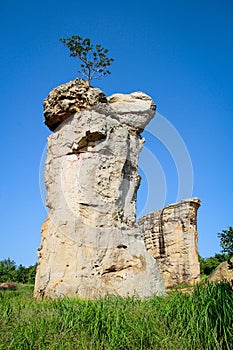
(91, 244)
(68, 99)
(171, 238)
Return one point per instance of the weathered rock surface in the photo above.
(91, 244)
(8, 286)
(224, 272)
(68, 99)
(171, 238)
(134, 110)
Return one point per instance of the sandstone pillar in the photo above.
(91, 244)
(171, 237)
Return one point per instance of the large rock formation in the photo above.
(171, 237)
(91, 244)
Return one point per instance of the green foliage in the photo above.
(200, 321)
(26, 274)
(226, 241)
(9, 272)
(208, 265)
(95, 63)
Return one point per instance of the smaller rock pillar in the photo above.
(171, 238)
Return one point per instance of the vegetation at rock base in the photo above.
(94, 62)
(201, 319)
(178, 321)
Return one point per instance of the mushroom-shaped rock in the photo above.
(91, 244)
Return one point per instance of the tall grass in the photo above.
(202, 320)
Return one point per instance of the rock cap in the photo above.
(135, 109)
(69, 98)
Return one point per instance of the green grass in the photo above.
(178, 321)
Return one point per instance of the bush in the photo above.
(9, 272)
(208, 265)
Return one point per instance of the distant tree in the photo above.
(31, 270)
(208, 265)
(202, 262)
(95, 63)
(226, 241)
(21, 273)
(221, 257)
(7, 270)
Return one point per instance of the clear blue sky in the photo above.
(178, 52)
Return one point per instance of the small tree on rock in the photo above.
(95, 63)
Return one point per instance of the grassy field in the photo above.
(178, 321)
